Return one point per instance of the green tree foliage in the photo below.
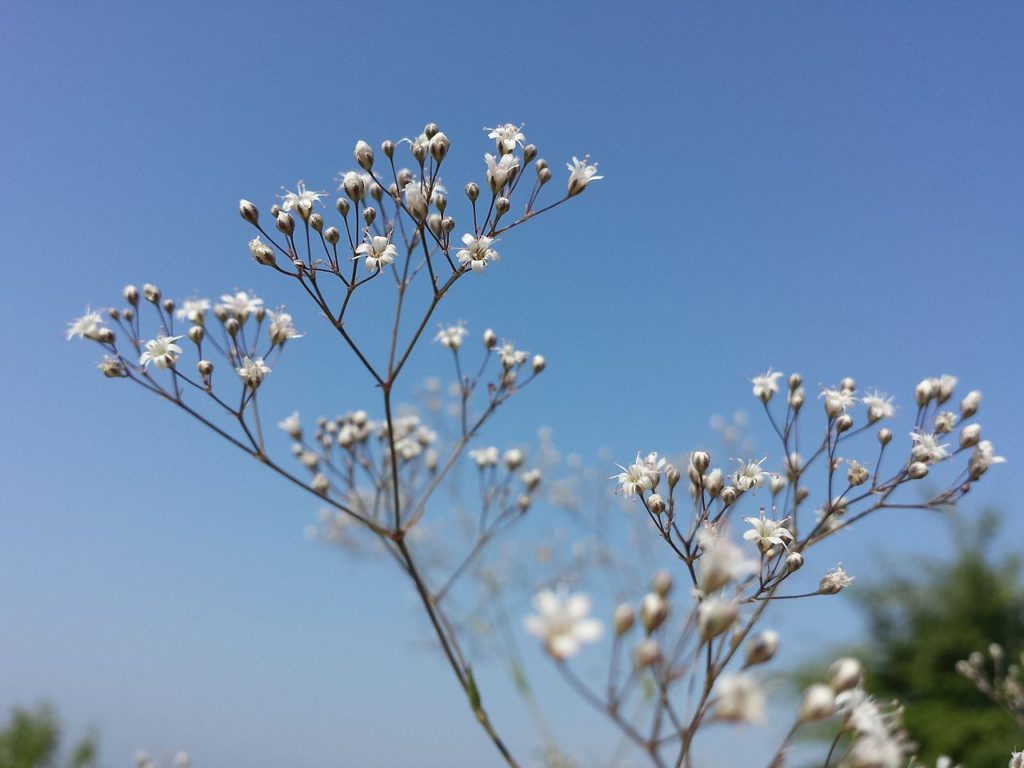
(31, 739)
(922, 622)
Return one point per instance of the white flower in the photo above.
(510, 357)
(253, 371)
(193, 310)
(477, 252)
(499, 170)
(292, 426)
(581, 173)
(739, 699)
(837, 401)
(88, 326)
(750, 474)
(767, 533)
(239, 305)
(378, 249)
(562, 622)
(485, 457)
(982, 457)
(834, 581)
(161, 351)
(715, 616)
(290, 200)
(507, 137)
(721, 561)
(112, 367)
(451, 336)
(926, 448)
(1016, 760)
(879, 406)
(766, 385)
(282, 328)
(415, 201)
(642, 475)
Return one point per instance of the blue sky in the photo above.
(829, 188)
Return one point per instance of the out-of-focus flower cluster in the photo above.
(997, 677)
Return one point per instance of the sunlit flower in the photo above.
(750, 474)
(581, 173)
(88, 326)
(837, 401)
(500, 170)
(292, 426)
(378, 250)
(253, 371)
(926, 448)
(834, 581)
(767, 533)
(738, 699)
(721, 561)
(766, 385)
(879, 406)
(193, 310)
(451, 336)
(240, 305)
(161, 352)
(506, 136)
(282, 328)
(982, 457)
(642, 475)
(477, 252)
(561, 622)
(290, 200)
(485, 457)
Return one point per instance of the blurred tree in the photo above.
(31, 739)
(921, 623)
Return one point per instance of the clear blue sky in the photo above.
(831, 188)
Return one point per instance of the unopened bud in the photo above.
(924, 392)
(819, 703)
(623, 618)
(729, 495)
(848, 385)
(700, 460)
(843, 423)
(490, 339)
(439, 145)
(196, 334)
(285, 223)
(715, 617)
(656, 504)
(917, 470)
(364, 155)
(501, 206)
(646, 654)
(845, 674)
(205, 368)
(354, 186)
(653, 611)
(316, 221)
(796, 398)
(151, 293)
(672, 475)
(472, 192)
(232, 326)
(794, 561)
(544, 176)
(538, 363)
(388, 148)
(249, 212)
(969, 405)
(369, 214)
(332, 235)
(262, 253)
(761, 648)
(884, 435)
(342, 205)
(131, 295)
(661, 582)
(795, 380)
(970, 435)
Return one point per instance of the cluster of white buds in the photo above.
(998, 677)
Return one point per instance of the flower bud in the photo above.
(672, 475)
(529, 152)
(843, 423)
(700, 460)
(262, 253)
(970, 435)
(513, 459)
(285, 223)
(129, 313)
(439, 145)
(794, 561)
(714, 483)
(715, 616)
(332, 235)
(653, 611)
(819, 703)
(490, 339)
(363, 154)
(151, 293)
(729, 495)
(231, 325)
(775, 484)
(795, 380)
(342, 205)
(538, 363)
(924, 391)
(168, 306)
(369, 214)
(844, 674)
(884, 435)
(848, 385)
(105, 336)
(917, 470)
(354, 186)
(656, 504)
(305, 209)
(501, 206)
(131, 295)
(205, 368)
(761, 648)
(472, 192)
(544, 176)
(802, 494)
(623, 618)
(316, 221)
(796, 398)
(646, 654)
(969, 405)
(388, 148)
(944, 388)
(320, 484)
(196, 334)
(661, 582)
(249, 212)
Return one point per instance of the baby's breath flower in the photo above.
(378, 250)
(261, 252)
(253, 371)
(642, 475)
(282, 328)
(112, 367)
(292, 426)
(834, 581)
(837, 401)
(506, 137)
(767, 533)
(499, 171)
(926, 448)
(879, 406)
(240, 305)
(982, 457)
(561, 622)
(721, 561)
(766, 385)
(485, 457)
(451, 336)
(750, 474)
(193, 310)
(739, 699)
(88, 326)
(581, 173)
(161, 352)
(291, 200)
(477, 253)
